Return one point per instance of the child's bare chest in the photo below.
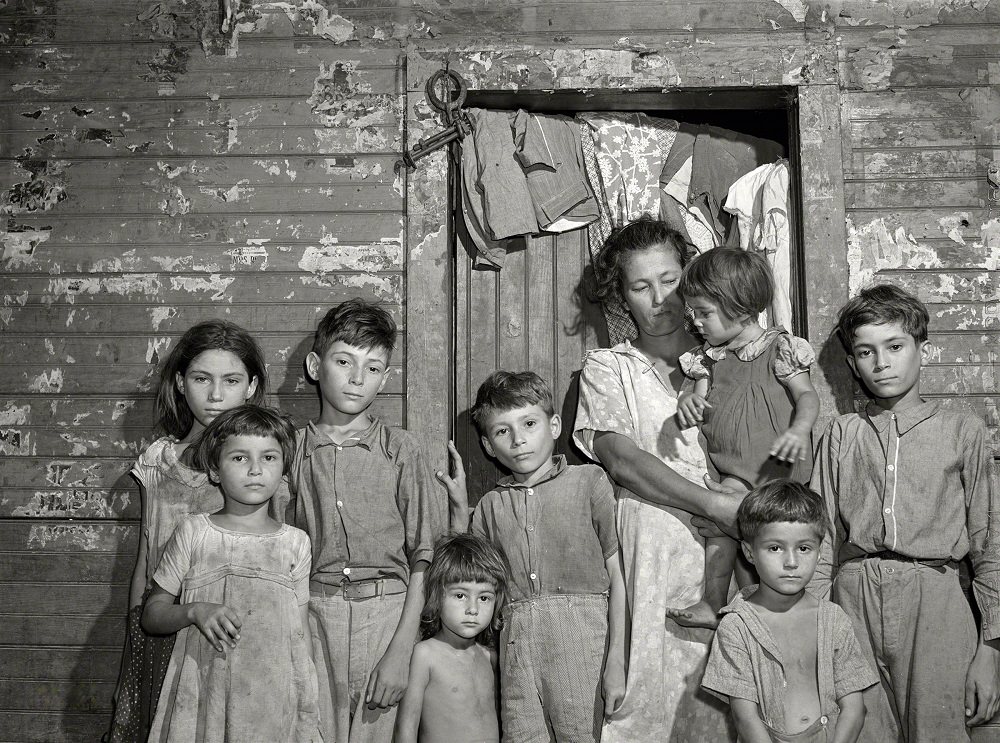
(460, 696)
(796, 637)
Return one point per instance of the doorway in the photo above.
(535, 314)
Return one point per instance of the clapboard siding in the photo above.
(148, 181)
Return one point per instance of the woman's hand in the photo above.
(690, 409)
(723, 507)
(217, 622)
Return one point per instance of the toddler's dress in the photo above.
(265, 688)
(750, 407)
(174, 491)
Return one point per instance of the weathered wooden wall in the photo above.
(154, 173)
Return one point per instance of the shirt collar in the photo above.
(315, 438)
(905, 419)
(749, 350)
(748, 613)
(559, 462)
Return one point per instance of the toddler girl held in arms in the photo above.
(752, 395)
(234, 585)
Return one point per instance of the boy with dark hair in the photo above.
(563, 640)
(911, 491)
(789, 664)
(365, 495)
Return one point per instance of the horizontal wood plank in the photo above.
(106, 631)
(195, 231)
(50, 535)
(57, 664)
(53, 727)
(63, 598)
(178, 317)
(58, 696)
(105, 569)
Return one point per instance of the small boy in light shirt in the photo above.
(911, 490)
(788, 662)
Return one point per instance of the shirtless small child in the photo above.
(789, 663)
(451, 696)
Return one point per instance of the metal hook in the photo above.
(454, 90)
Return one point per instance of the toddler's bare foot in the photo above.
(696, 615)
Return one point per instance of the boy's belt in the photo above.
(359, 589)
(890, 555)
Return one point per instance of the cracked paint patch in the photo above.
(77, 503)
(159, 315)
(47, 382)
(130, 284)
(44, 188)
(991, 244)
(339, 98)
(85, 537)
(19, 246)
(214, 284)
(874, 247)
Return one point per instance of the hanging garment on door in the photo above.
(675, 190)
(743, 202)
(720, 157)
(550, 152)
(776, 241)
(629, 149)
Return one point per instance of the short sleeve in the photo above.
(794, 356)
(695, 364)
(602, 405)
(421, 501)
(851, 669)
(602, 512)
(176, 561)
(302, 566)
(729, 671)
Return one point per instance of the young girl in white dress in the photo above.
(214, 367)
(234, 585)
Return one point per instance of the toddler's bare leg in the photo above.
(720, 555)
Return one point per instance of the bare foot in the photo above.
(696, 615)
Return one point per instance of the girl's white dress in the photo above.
(663, 556)
(264, 689)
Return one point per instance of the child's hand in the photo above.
(790, 446)
(454, 479)
(613, 687)
(388, 679)
(218, 623)
(690, 409)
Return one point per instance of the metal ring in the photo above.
(457, 87)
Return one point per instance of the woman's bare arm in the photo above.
(648, 477)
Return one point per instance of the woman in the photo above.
(625, 421)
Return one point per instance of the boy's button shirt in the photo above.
(919, 482)
(746, 662)
(556, 533)
(370, 505)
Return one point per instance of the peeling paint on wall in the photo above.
(253, 253)
(44, 188)
(146, 284)
(19, 247)
(47, 382)
(81, 504)
(215, 284)
(86, 537)
(873, 247)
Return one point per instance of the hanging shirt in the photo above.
(550, 152)
(775, 240)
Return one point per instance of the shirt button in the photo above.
(340, 448)
(530, 491)
(532, 576)
(890, 468)
(888, 510)
(340, 504)
(347, 571)
(531, 528)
